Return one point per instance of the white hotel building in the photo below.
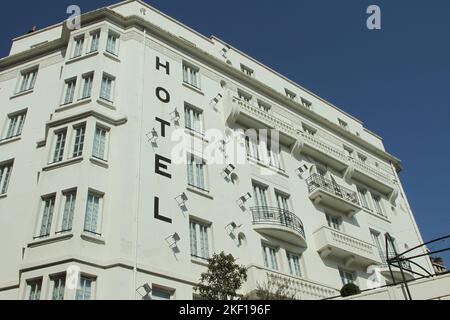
(86, 177)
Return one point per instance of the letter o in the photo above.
(166, 97)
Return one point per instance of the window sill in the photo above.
(193, 88)
(268, 167)
(111, 56)
(4, 195)
(199, 261)
(196, 134)
(386, 219)
(200, 192)
(64, 163)
(9, 140)
(106, 103)
(100, 162)
(21, 94)
(71, 105)
(82, 57)
(95, 238)
(50, 239)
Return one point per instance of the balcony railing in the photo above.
(278, 217)
(376, 174)
(301, 288)
(405, 264)
(325, 148)
(316, 181)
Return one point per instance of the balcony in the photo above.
(240, 111)
(280, 224)
(301, 288)
(322, 151)
(326, 192)
(331, 242)
(370, 176)
(396, 272)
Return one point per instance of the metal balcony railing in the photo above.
(277, 216)
(316, 181)
(391, 256)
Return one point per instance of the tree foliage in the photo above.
(223, 278)
(350, 289)
(272, 291)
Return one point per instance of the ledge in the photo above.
(193, 88)
(112, 56)
(50, 239)
(385, 219)
(196, 134)
(99, 162)
(64, 163)
(267, 167)
(82, 57)
(9, 140)
(93, 238)
(106, 103)
(2, 196)
(71, 105)
(201, 262)
(21, 94)
(200, 192)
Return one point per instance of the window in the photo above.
(15, 125)
(260, 194)
(347, 276)
(92, 217)
(343, 124)
(191, 75)
(59, 145)
(334, 222)
(99, 148)
(85, 288)
(48, 205)
(161, 294)
(244, 96)
(262, 150)
(252, 146)
(294, 264)
(193, 119)
(58, 287)
(69, 209)
(306, 103)
(5, 174)
(291, 95)
(112, 44)
(273, 156)
(282, 201)
(308, 130)
(362, 157)
(270, 257)
(87, 85)
(264, 106)
(362, 193)
(247, 70)
(196, 172)
(28, 80)
(199, 240)
(70, 90)
(378, 202)
(78, 47)
(95, 38)
(348, 151)
(34, 289)
(377, 241)
(79, 141)
(107, 88)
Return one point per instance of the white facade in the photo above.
(82, 146)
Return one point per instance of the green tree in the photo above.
(222, 279)
(350, 289)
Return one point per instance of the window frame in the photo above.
(21, 88)
(192, 175)
(273, 264)
(112, 88)
(116, 35)
(83, 85)
(201, 122)
(5, 176)
(21, 116)
(99, 218)
(50, 216)
(190, 71)
(106, 146)
(75, 48)
(197, 240)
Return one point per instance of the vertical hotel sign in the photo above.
(161, 162)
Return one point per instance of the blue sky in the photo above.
(396, 80)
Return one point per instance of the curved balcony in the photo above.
(396, 272)
(279, 223)
(327, 192)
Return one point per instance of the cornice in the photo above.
(208, 59)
